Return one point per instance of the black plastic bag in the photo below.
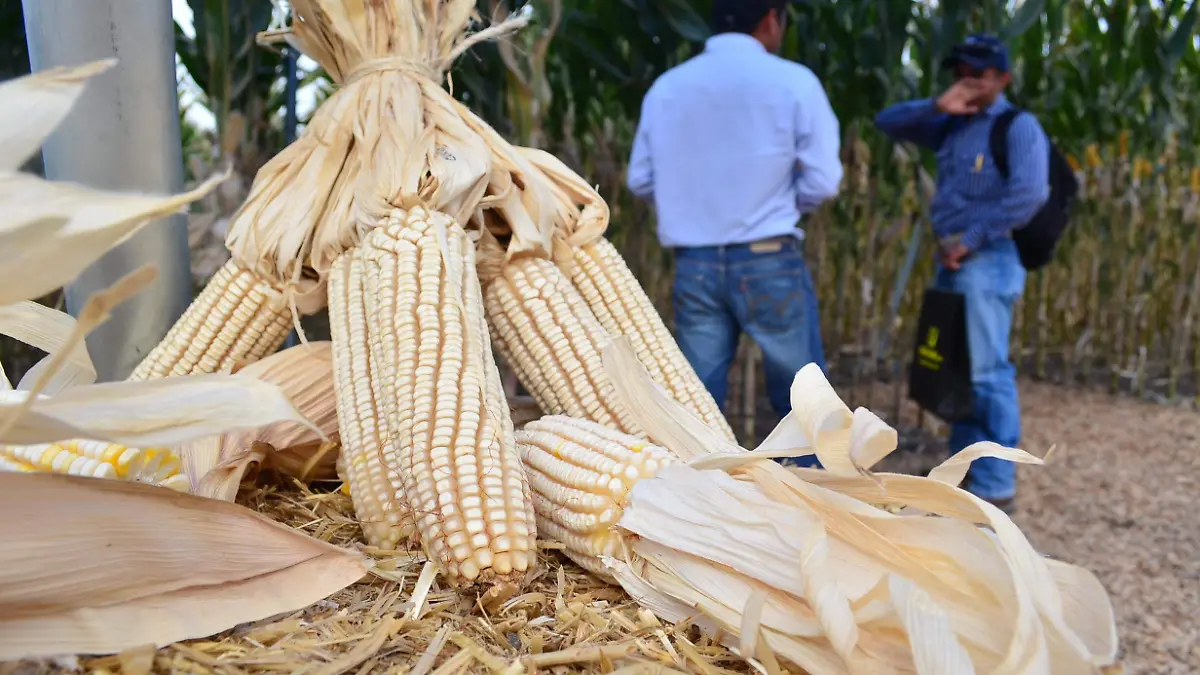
(939, 378)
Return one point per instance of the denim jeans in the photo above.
(991, 280)
(720, 291)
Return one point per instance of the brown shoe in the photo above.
(1008, 506)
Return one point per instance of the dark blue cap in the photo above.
(742, 14)
(979, 51)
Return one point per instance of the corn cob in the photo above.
(237, 316)
(623, 308)
(98, 459)
(581, 474)
(553, 342)
(368, 462)
(443, 399)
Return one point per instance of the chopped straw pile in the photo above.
(565, 620)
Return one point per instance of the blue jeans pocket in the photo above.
(776, 302)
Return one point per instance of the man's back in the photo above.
(720, 142)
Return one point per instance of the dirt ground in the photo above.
(1120, 495)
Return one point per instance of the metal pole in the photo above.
(289, 131)
(123, 134)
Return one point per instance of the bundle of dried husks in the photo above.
(805, 565)
(368, 212)
(156, 566)
(391, 136)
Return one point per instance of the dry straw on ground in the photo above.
(394, 621)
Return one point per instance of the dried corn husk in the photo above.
(94, 566)
(50, 331)
(803, 565)
(582, 214)
(390, 137)
(52, 231)
(305, 375)
(49, 232)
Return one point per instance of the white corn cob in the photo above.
(623, 308)
(545, 331)
(368, 461)
(581, 474)
(237, 316)
(443, 399)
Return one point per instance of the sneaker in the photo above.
(1008, 506)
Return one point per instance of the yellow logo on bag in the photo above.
(927, 354)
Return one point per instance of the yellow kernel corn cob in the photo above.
(623, 308)
(545, 331)
(97, 459)
(581, 473)
(145, 465)
(367, 462)
(237, 316)
(53, 458)
(15, 465)
(443, 400)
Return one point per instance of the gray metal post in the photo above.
(123, 134)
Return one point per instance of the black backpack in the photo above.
(1037, 239)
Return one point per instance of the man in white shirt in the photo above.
(732, 147)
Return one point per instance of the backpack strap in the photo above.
(998, 139)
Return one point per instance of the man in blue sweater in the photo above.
(974, 213)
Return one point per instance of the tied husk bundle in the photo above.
(842, 571)
(390, 137)
(99, 566)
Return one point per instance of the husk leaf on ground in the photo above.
(93, 566)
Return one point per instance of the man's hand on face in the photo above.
(952, 256)
(962, 98)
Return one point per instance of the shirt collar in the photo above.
(724, 42)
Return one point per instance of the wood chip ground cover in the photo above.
(1117, 497)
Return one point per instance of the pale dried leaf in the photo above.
(953, 470)
(48, 330)
(32, 106)
(159, 566)
(148, 414)
(96, 311)
(50, 231)
(667, 423)
(936, 650)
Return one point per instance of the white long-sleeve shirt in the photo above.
(734, 145)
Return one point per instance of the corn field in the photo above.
(1114, 82)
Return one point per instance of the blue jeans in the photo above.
(720, 291)
(991, 280)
